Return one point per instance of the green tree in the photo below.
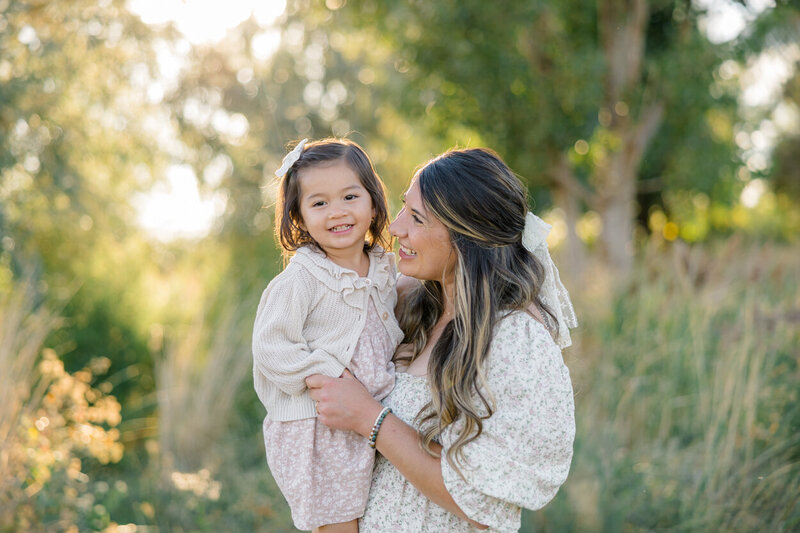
(74, 138)
(78, 136)
(601, 102)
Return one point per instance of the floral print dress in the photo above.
(521, 458)
(323, 473)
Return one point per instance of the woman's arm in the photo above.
(344, 403)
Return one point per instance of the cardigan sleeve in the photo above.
(280, 352)
(523, 454)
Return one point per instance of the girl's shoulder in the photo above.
(303, 272)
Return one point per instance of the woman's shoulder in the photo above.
(522, 344)
(521, 324)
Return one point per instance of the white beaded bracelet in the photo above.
(373, 436)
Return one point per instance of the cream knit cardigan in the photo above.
(308, 322)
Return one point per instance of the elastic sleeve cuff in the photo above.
(484, 509)
(295, 387)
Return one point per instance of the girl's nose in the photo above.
(337, 210)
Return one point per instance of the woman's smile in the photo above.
(405, 252)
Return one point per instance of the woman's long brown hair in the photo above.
(483, 205)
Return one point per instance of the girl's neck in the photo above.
(357, 260)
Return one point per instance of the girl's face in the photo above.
(336, 208)
(426, 252)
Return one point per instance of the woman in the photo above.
(482, 419)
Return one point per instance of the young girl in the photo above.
(330, 310)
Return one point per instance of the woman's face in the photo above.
(426, 252)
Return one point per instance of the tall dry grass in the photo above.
(51, 421)
(23, 328)
(198, 376)
(687, 385)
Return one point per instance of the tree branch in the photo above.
(639, 137)
(561, 175)
(622, 30)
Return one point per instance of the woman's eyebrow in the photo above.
(418, 213)
(415, 211)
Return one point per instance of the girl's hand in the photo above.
(343, 403)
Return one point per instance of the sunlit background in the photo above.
(177, 208)
(138, 141)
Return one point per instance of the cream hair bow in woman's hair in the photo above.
(553, 293)
(291, 158)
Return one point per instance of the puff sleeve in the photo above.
(280, 352)
(524, 453)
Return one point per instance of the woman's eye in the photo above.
(416, 219)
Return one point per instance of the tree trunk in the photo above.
(573, 262)
(616, 190)
(617, 211)
(622, 29)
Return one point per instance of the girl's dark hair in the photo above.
(287, 212)
(483, 206)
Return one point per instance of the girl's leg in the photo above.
(343, 527)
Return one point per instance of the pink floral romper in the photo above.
(323, 473)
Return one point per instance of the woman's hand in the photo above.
(343, 403)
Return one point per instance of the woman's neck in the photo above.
(449, 300)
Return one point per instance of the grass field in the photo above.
(686, 397)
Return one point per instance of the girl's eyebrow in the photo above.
(348, 188)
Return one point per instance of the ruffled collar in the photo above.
(347, 281)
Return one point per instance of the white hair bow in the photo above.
(291, 158)
(553, 293)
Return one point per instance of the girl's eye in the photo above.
(318, 204)
(351, 197)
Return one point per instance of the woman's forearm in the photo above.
(345, 404)
(400, 444)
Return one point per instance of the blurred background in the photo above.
(137, 144)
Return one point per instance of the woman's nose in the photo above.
(396, 226)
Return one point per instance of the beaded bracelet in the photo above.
(373, 436)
